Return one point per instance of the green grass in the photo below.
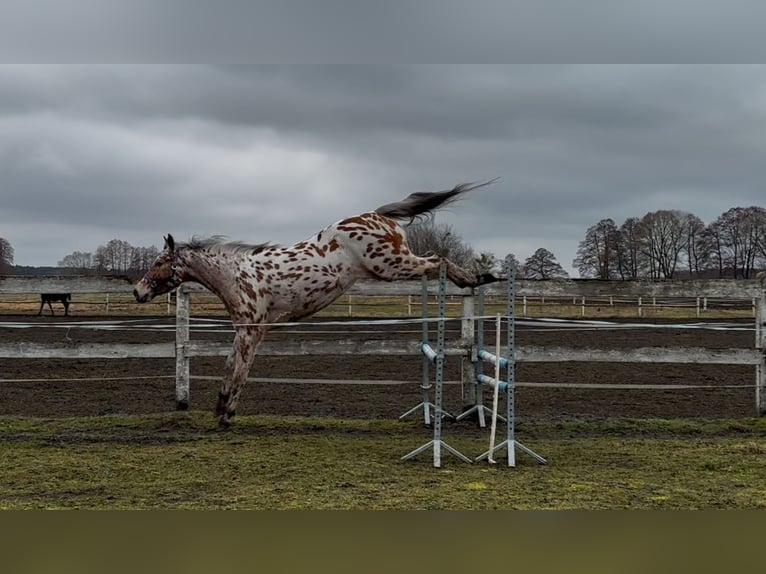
(178, 460)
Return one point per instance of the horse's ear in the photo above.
(170, 243)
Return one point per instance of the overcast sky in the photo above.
(275, 153)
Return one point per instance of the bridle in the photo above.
(171, 281)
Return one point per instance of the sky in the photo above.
(90, 153)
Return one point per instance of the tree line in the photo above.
(120, 257)
(441, 239)
(662, 244)
(115, 257)
(669, 244)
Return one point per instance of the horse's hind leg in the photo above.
(408, 266)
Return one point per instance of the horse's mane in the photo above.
(220, 244)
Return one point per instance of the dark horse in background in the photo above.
(49, 298)
(264, 284)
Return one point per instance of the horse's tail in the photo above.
(425, 202)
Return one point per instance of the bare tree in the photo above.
(663, 236)
(714, 241)
(628, 249)
(143, 257)
(737, 238)
(114, 257)
(81, 261)
(760, 238)
(429, 238)
(542, 264)
(597, 253)
(6, 256)
(695, 246)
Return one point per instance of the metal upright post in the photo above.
(510, 337)
(510, 388)
(425, 384)
(437, 443)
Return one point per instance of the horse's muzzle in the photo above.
(141, 297)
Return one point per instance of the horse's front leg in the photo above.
(238, 366)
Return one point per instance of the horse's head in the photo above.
(162, 277)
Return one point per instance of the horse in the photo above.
(48, 298)
(262, 284)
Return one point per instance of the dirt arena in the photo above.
(146, 385)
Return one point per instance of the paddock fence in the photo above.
(464, 346)
(111, 296)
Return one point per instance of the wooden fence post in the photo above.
(467, 329)
(760, 343)
(182, 342)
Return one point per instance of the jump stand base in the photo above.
(512, 445)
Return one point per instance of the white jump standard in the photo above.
(429, 358)
(437, 357)
(508, 387)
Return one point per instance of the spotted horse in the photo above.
(264, 284)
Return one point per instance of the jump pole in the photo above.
(437, 357)
(509, 385)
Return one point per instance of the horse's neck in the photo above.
(212, 272)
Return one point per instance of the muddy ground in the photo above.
(146, 385)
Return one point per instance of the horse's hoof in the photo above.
(484, 278)
(220, 407)
(225, 421)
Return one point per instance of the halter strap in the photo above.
(172, 279)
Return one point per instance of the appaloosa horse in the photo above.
(264, 284)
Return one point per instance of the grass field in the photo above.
(177, 460)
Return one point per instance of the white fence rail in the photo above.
(184, 348)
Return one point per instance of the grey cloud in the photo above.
(394, 31)
(277, 152)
